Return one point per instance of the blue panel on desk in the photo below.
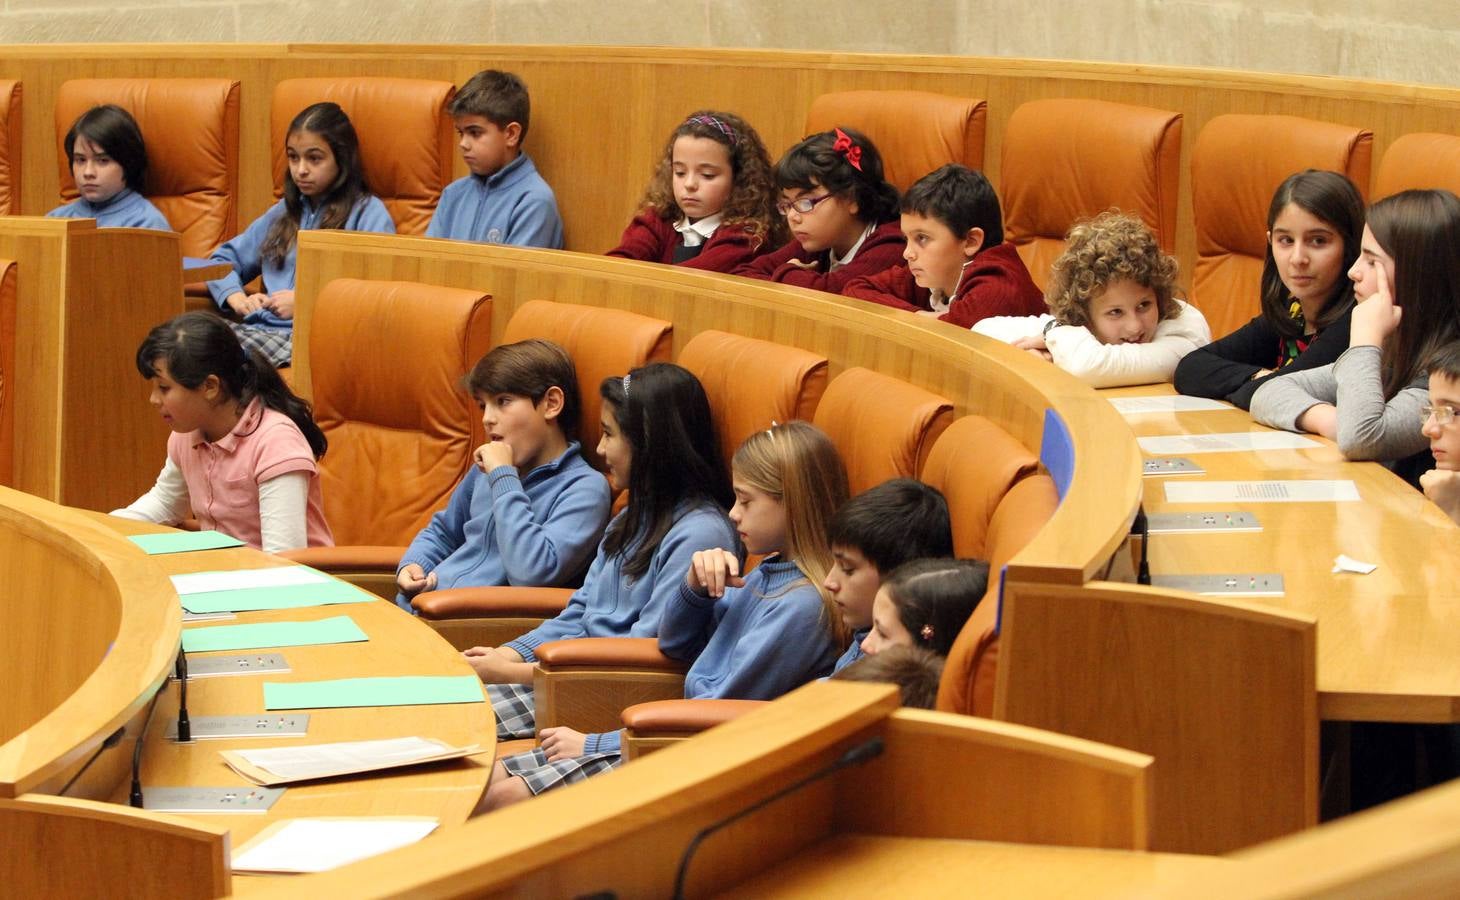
(1057, 452)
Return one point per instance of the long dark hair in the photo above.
(1333, 199)
(1420, 230)
(198, 344)
(818, 158)
(935, 597)
(329, 122)
(662, 411)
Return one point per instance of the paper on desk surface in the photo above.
(281, 765)
(406, 690)
(1299, 491)
(287, 596)
(238, 579)
(183, 542)
(320, 844)
(1345, 563)
(1128, 406)
(1177, 444)
(255, 636)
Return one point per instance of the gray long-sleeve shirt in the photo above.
(1368, 426)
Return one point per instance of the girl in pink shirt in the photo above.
(241, 457)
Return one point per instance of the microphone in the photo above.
(856, 756)
(135, 799)
(184, 726)
(1142, 527)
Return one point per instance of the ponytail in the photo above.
(262, 380)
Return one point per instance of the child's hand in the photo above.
(1375, 318)
(1443, 489)
(282, 303)
(801, 264)
(492, 455)
(1034, 344)
(562, 743)
(412, 580)
(489, 664)
(711, 571)
(243, 304)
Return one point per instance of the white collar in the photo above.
(834, 263)
(696, 233)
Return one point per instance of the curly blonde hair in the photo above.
(752, 201)
(1111, 247)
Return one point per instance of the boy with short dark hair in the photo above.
(957, 264)
(503, 200)
(874, 533)
(916, 672)
(531, 511)
(1442, 483)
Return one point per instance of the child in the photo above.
(1313, 229)
(659, 444)
(751, 638)
(958, 266)
(915, 671)
(872, 534)
(1116, 319)
(711, 204)
(503, 200)
(841, 211)
(924, 604)
(1442, 483)
(241, 456)
(1407, 281)
(109, 166)
(531, 510)
(324, 187)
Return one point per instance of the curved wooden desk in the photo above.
(1387, 640)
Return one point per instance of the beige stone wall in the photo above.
(1416, 41)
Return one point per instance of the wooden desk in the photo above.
(1386, 641)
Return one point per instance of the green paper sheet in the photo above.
(183, 541)
(338, 630)
(414, 690)
(290, 596)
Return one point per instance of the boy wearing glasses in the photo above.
(1442, 483)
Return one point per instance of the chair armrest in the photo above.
(587, 683)
(684, 717)
(496, 602)
(607, 653)
(329, 559)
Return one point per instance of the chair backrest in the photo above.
(191, 129)
(1237, 163)
(7, 371)
(1065, 160)
(400, 427)
(752, 383)
(602, 343)
(10, 121)
(882, 427)
(1222, 694)
(915, 131)
(1419, 161)
(405, 137)
(974, 463)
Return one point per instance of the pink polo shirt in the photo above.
(223, 477)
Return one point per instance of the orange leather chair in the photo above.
(9, 148)
(1066, 160)
(915, 131)
(752, 383)
(7, 371)
(888, 438)
(1236, 164)
(406, 138)
(1418, 161)
(191, 129)
(400, 436)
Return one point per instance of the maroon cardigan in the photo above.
(881, 250)
(652, 239)
(996, 283)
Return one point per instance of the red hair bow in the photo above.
(846, 148)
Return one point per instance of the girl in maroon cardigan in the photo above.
(711, 203)
(841, 211)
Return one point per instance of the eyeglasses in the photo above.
(1443, 415)
(802, 205)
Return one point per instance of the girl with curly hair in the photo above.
(711, 203)
(1114, 316)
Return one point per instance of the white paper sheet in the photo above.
(317, 845)
(279, 576)
(317, 760)
(1344, 563)
(1300, 491)
(1178, 444)
(1131, 406)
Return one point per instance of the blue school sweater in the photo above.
(610, 604)
(497, 528)
(513, 206)
(759, 641)
(853, 653)
(243, 253)
(126, 209)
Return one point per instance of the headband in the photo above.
(716, 123)
(849, 149)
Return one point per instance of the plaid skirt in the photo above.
(513, 706)
(540, 775)
(276, 344)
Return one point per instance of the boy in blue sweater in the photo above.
(532, 510)
(874, 533)
(109, 166)
(503, 200)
